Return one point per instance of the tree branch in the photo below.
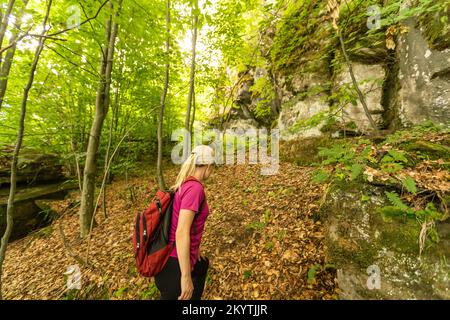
(82, 23)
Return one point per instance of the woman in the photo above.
(183, 276)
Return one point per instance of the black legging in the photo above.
(168, 280)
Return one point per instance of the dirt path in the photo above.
(260, 237)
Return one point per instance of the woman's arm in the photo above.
(183, 244)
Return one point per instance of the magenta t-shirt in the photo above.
(190, 196)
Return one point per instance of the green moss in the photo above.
(299, 40)
(353, 23)
(304, 151)
(363, 254)
(430, 149)
(435, 24)
(401, 234)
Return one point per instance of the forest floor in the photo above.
(260, 237)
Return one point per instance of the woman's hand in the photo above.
(187, 287)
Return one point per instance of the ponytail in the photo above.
(200, 156)
(187, 169)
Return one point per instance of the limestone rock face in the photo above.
(424, 79)
(360, 240)
(301, 111)
(370, 78)
(402, 87)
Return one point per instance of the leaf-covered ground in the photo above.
(260, 237)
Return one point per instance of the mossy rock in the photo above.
(358, 236)
(304, 151)
(436, 26)
(432, 150)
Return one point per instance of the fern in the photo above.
(409, 184)
(398, 156)
(356, 170)
(396, 201)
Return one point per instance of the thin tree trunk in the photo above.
(192, 75)
(115, 114)
(4, 24)
(77, 162)
(12, 190)
(101, 109)
(7, 63)
(191, 129)
(159, 171)
(355, 83)
(106, 171)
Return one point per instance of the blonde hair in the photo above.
(201, 155)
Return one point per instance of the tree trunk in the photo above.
(7, 63)
(355, 83)
(187, 146)
(101, 110)
(12, 190)
(77, 162)
(4, 24)
(110, 137)
(191, 128)
(159, 171)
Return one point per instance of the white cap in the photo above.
(205, 155)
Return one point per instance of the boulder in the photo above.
(30, 212)
(40, 176)
(28, 216)
(34, 167)
(360, 240)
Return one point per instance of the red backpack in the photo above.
(151, 234)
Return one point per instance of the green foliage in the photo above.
(264, 93)
(349, 158)
(261, 224)
(397, 202)
(256, 225)
(349, 164)
(412, 133)
(151, 292)
(269, 245)
(409, 184)
(398, 207)
(356, 170)
(320, 176)
(298, 38)
(435, 22)
(395, 156)
(119, 292)
(312, 273)
(313, 270)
